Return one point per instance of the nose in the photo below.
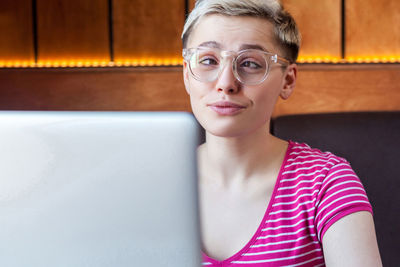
(226, 81)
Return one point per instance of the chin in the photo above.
(228, 129)
(225, 133)
(230, 126)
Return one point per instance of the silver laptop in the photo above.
(98, 189)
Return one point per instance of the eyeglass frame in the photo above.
(274, 58)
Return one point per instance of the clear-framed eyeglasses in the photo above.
(250, 66)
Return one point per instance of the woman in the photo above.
(264, 201)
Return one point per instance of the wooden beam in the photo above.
(320, 88)
(147, 29)
(74, 30)
(16, 31)
(372, 28)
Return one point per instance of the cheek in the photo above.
(266, 97)
(264, 100)
(196, 95)
(198, 91)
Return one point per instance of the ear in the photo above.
(186, 76)
(289, 81)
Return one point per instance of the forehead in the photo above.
(233, 32)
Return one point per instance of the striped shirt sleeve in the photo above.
(341, 194)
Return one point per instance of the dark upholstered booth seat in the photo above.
(370, 141)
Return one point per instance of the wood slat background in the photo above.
(16, 31)
(147, 28)
(140, 89)
(320, 26)
(319, 89)
(72, 30)
(372, 28)
(343, 88)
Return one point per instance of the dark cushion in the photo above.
(370, 141)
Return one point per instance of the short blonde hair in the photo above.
(286, 31)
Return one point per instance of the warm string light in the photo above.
(350, 60)
(147, 62)
(384, 59)
(319, 59)
(153, 62)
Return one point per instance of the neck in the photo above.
(228, 161)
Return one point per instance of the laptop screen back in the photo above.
(98, 189)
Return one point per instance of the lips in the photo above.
(226, 108)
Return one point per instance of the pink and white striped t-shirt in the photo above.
(314, 189)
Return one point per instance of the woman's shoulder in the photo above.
(305, 166)
(302, 151)
(301, 156)
(309, 169)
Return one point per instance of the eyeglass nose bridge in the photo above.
(225, 55)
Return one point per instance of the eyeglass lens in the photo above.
(249, 67)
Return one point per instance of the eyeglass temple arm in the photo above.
(277, 59)
(184, 53)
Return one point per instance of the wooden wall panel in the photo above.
(344, 88)
(372, 28)
(16, 30)
(319, 89)
(93, 89)
(72, 30)
(319, 22)
(147, 28)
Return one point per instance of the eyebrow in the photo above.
(252, 46)
(214, 44)
(211, 44)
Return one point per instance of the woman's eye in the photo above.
(250, 64)
(208, 61)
